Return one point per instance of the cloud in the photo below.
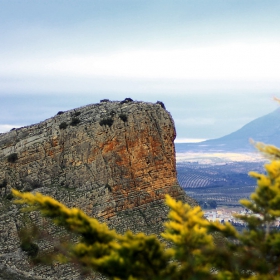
(189, 140)
(229, 61)
(233, 67)
(6, 127)
(195, 121)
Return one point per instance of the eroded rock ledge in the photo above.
(114, 160)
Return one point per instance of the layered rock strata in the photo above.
(114, 160)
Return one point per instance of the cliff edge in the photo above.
(114, 160)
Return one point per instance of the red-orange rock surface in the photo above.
(118, 171)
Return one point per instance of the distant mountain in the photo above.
(264, 129)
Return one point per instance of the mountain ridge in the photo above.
(263, 129)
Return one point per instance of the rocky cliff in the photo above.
(114, 160)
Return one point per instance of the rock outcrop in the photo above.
(114, 160)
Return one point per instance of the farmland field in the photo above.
(226, 183)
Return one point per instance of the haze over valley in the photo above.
(218, 169)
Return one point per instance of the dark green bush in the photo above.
(12, 157)
(108, 121)
(27, 235)
(63, 125)
(161, 104)
(113, 113)
(74, 121)
(127, 100)
(60, 112)
(123, 117)
(3, 184)
(212, 204)
(77, 114)
(30, 248)
(104, 100)
(32, 184)
(9, 196)
(19, 186)
(108, 187)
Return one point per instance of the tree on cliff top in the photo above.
(193, 253)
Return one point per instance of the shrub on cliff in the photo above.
(3, 184)
(126, 100)
(107, 121)
(123, 117)
(193, 253)
(74, 121)
(12, 158)
(161, 104)
(26, 236)
(63, 125)
(77, 113)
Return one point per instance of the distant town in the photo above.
(228, 215)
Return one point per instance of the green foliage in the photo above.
(30, 248)
(3, 184)
(26, 236)
(107, 121)
(123, 117)
(212, 204)
(192, 253)
(32, 184)
(63, 125)
(161, 104)
(108, 187)
(12, 158)
(112, 113)
(60, 113)
(32, 234)
(208, 204)
(126, 100)
(74, 121)
(76, 114)
(9, 196)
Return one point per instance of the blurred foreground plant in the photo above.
(194, 253)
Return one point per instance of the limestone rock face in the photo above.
(114, 160)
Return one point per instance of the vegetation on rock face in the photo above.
(126, 100)
(77, 114)
(3, 184)
(74, 121)
(12, 157)
(9, 196)
(108, 121)
(32, 184)
(63, 125)
(123, 117)
(193, 253)
(26, 236)
(112, 113)
(161, 104)
(108, 187)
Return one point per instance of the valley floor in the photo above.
(222, 178)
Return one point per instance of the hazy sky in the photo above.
(215, 64)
